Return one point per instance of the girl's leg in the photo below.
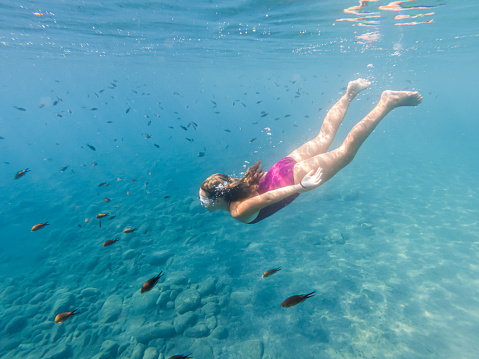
(333, 119)
(332, 162)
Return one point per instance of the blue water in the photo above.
(390, 245)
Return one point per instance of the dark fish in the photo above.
(171, 127)
(58, 115)
(2, 138)
(255, 123)
(319, 109)
(183, 127)
(93, 109)
(149, 123)
(102, 184)
(91, 147)
(110, 242)
(227, 131)
(69, 111)
(64, 168)
(19, 108)
(287, 115)
(21, 173)
(252, 140)
(258, 102)
(296, 299)
(149, 284)
(180, 357)
(157, 146)
(165, 197)
(55, 102)
(112, 217)
(176, 93)
(148, 136)
(36, 227)
(201, 154)
(214, 103)
(109, 121)
(101, 91)
(60, 318)
(264, 114)
(270, 272)
(189, 139)
(128, 110)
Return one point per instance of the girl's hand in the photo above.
(311, 180)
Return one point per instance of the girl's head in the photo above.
(220, 186)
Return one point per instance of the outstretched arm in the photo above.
(247, 208)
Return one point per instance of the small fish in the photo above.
(149, 123)
(42, 105)
(129, 230)
(55, 102)
(69, 111)
(106, 199)
(94, 164)
(109, 121)
(227, 131)
(189, 139)
(36, 227)
(258, 102)
(110, 242)
(112, 217)
(252, 140)
(64, 169)
(184, 128)
(21, 173)
(165, 197)
(60, 318)
(148, 136)
(93, 109)
(201, 154)
(264, 114)
(157, 146)
(270, 272)
(128, 110)
(295, 300)
(102, 184)
(133, 180)
(101, 215)
(214, 103)
(91, 147)
(58, 115)
(45, 159)
(180, 357)
(149, 284)
(19, 108)
(319, 109)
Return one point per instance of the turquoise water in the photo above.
(390, 245)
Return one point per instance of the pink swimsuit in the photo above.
(278, 176)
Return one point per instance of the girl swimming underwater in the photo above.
(258, 195)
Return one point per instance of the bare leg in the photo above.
(333, 119)
(332, 162)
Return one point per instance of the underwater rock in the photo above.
(187, 300)
(9, 294)
(56, 333)
(207, 286)
(242, 298)
(210, 309)
(90, 292)
(129, 254)
(16, 325)
(138, 351)
(149, 332)
(111, 309)
(211, 322)
(140, 304)
(158, 258)
(202, 350)
(151, 353)
(176, 279)
(61, 351)
(110, 347)
(251, 349)
(163, 299)
(198, 331)
(39, 297)
(184, 321)
(103, 355)
(220, 333)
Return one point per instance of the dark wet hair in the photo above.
(233, 189)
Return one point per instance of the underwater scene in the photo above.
(114, 113)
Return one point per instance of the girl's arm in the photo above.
(248, 207)
(244, 209)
